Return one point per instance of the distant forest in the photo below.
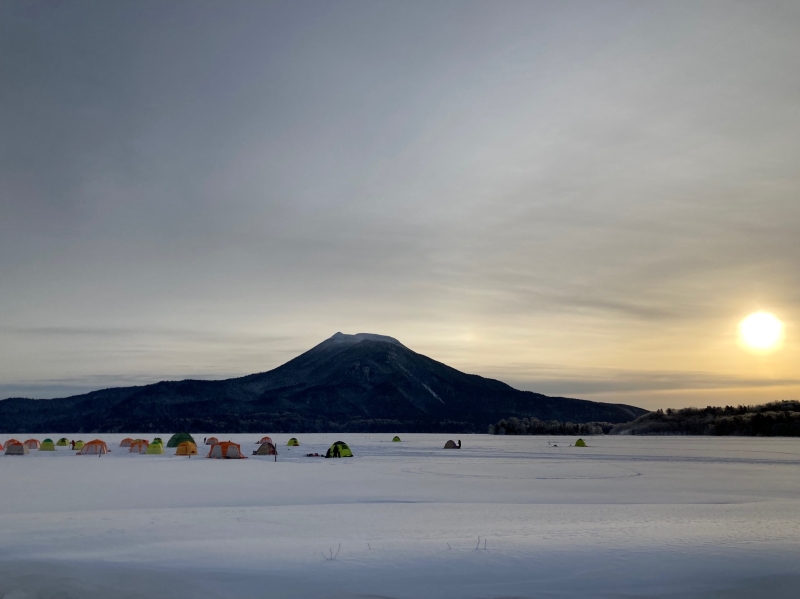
(777, 419)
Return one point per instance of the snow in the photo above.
(625, 517)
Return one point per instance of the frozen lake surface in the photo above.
(624, 517)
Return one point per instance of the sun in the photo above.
(761, 331)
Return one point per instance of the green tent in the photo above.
(47, 445)
(179, 438)
(62, 442)
(580, 443)
(396, 439)
(293, 442)
(78, 445)
(157, 440)
(339, 450)
(155, 449)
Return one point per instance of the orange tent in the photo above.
(126, 442)
(212, 441)
(265, 440)
(32, 444)
(186, 448)
(139, 446)
(10, 441)
(95, 447)
(226, 451)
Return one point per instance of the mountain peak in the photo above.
(342, 338)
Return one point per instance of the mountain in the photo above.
(360, 382)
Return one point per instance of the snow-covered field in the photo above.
(624, 517)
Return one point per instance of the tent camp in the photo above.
(47, 445)
(16, 448)
(452, 444)
(396, 439)
(186, 448)
(155, 448)
(293, 442)
(267, 448)
(78, 445)
(139, 446)
(339, 450)
(580, 443)
(62, 442)
(126, 442)
(212, 441)
(179, 438)
(95, 447)
(225, 451)
(265, 440)
(32, 444)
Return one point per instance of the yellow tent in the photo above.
(47, 445)
(78, 445)
(186, 448)
(580, 443)
(155, 449)
(396, 439)
(293, 442)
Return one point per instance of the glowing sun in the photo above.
(761, 331)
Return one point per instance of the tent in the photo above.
(155, 448)
(16, 448)
(212, 441)
(158, 440)
(265, 440)
(78, 445)
(186, 448)
(126, 442)
(96, 447)
(396, 439)
(32, 444)
(267, 448)
(293, 442)
(139, 446)
(580, 443)
(339, 450)
(452, 444)
(62, 442)
(225, 451)
(1, 447)
(10, 441)
(47, 445)
(179, 438)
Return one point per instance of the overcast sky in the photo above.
(578, 198)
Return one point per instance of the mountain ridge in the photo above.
(361, 382)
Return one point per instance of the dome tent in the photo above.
(155, 448)
(186, 448)
(32, 444)
(96, 447)
(266, 448)
(47, 445)
(10, 441)
(396, 439)
(16, 448)
(158, 440)
(78, 445)
(179, 438)
(452, 444)
(265, 440)
(580, 443)
(139, 446)
(127, 442)
(293, 442)
(226, 451)
(62, 442)
(212, 441)
(339, 450)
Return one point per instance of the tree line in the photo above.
(534, 426)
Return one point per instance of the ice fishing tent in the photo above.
(78, 445)
(47, 445)
(452, 445)
(32, 444)
(96, 447)
(126, 442)
(16, 448)
(339, 450)
(186, 448)
(265, 440)
(225, 451)
(293, 442)
(580, 443)
(212, 441)
(396, 439)
(62, 442)
(10, 441)
(179, 438)
(267, 448)
(139, 446)
(155, 448)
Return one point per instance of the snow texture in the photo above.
(625, 517)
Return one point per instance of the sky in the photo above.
(578, 198)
